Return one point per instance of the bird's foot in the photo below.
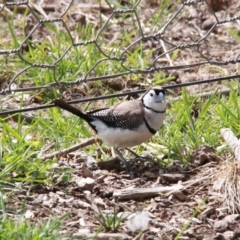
(138, 156)
(124, 161)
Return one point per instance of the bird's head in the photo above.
(155, 100)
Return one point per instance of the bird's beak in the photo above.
(161, 97)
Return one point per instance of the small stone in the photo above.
(85, 183)
(220, 226)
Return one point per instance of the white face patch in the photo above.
(155, 100)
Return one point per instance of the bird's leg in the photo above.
(133, 153)
(137, 156)
(124, 161)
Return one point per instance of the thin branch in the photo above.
(145, 192)
(65, 151)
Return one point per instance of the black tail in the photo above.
(62, 104)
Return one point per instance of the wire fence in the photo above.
(195, 36)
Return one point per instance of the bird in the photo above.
(127, 123)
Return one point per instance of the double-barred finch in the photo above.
(128, 123)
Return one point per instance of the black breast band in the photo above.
(151, 130)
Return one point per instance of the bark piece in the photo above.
(101, 236)
(145, 192)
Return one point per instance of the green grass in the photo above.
(24, 230)
(110, 222)
(13, 224)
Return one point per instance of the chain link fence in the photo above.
(188, 41)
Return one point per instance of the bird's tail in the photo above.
(62, 104)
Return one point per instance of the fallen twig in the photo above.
(45, 149)
(68, 150)
(232, 141)
(145, 192)
(101, 235)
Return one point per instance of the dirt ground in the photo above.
(198, 205)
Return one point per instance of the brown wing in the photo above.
(126, 115)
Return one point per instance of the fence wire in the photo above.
(184, 41)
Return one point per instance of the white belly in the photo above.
(121, 138)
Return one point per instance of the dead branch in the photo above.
(145, 192)
(68, 150)
(101, 235)
(232, 141)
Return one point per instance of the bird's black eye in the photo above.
(151, 94)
